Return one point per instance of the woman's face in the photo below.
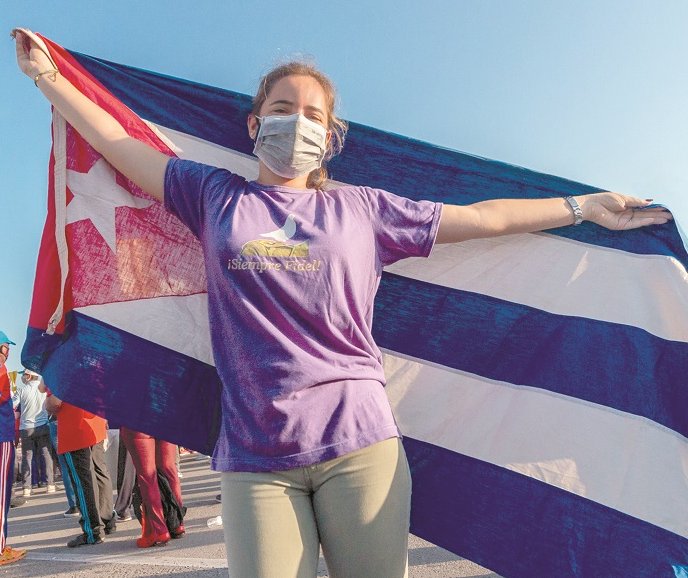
(292, 95)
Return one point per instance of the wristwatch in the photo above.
(577, 211)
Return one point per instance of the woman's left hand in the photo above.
(619, 212)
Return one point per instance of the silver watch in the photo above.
(577, 211)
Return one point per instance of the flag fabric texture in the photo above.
(539, 379)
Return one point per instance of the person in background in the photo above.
(7, 445)
(72, 509)
(126, 478)
(150, 456)
(33, 429)
(80, 436)
(17, 499)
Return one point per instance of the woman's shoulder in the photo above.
(187, 168)
(208, 179)
(350, 192)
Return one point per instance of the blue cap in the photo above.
(5, 339)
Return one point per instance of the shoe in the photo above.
(179, 474)
(153, 540)
(178, 532)
(218, 498)
(27, 492)
(51, 488)
(111, 525)
(10, 555)
(17, 501)
(82, 540)
(73, 512)
(125, 517)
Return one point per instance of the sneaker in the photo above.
(10, 555)
(82, 540)
(218, 498)
(73, 512)
(27, 492)
(17, 501)
(111, 525)
(124, 517)
(51, 488)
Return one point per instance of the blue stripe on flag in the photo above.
(156, 390)
(371, 157)
(178, 104)
(524, 528)
(610, 364)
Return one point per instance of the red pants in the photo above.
(150, 454)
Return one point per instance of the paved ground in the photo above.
(40, 527)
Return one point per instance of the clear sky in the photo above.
(592, 90)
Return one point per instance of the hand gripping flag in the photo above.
(539, 379)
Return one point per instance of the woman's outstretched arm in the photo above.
(139, 162)
(509, 216)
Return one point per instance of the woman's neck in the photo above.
(267, 177)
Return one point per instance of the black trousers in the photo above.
(126, 478)
(93, 489)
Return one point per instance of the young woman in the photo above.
(309, 449)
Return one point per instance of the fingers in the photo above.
(653, 211)
(644, 222)
(633, 202)
(657, 215)
(646, 217)
(23, 46)
(18, 41)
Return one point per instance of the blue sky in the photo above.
(594, 91)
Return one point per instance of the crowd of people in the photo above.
(59, 439)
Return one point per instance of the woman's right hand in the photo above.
(139, 162)
(30, 58)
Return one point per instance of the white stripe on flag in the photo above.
(600, 283)
(151, 319)
(196, 149)
(622, 461)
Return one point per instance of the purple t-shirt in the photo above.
(292, 276)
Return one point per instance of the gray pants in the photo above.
(36, 440)
(356, 506)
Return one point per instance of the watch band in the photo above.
(577, 211)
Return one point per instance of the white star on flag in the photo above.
(96, 196)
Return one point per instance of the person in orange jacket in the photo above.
(80, 437)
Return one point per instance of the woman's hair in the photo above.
(336, 126)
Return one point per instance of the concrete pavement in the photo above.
(40, 527)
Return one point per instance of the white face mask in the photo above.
(290, 146)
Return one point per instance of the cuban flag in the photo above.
(539, 379)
